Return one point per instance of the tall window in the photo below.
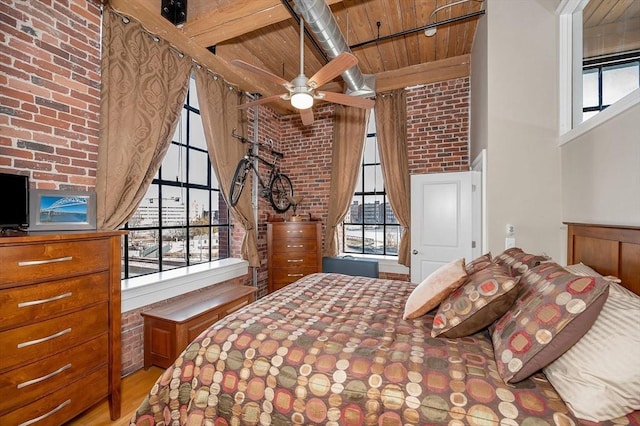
(370, 227)
(607, 79)
(182, 219)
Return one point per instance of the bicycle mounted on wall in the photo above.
(278, 189)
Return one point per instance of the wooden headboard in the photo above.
(610, 250)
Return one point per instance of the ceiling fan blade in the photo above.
(334, 68)
(342, 99)
(260, 101)
(307, 116)
(268, 75)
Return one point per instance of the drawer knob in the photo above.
(44, 339)
(43, 378)
(45, 415)
(43, 301)
(45, 261)
(295, 260)
(295, 275)
(295, 245)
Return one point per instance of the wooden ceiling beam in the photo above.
(153, 22)
(445, 69)
(234, 20)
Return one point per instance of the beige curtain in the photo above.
(349, 128)
(391, 132)
(144, 84)
(220, 115)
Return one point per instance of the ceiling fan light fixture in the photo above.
(302, 100)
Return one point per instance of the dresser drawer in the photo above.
(292, 230)
(293, 259)
(295, 246)
(37, 341)
(20, 305)
(289, 275)
(33, 262)
(28, 383)
(62, 405)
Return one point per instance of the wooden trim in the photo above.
(609, 249)
(431, 72)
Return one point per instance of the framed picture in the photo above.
(51, 210)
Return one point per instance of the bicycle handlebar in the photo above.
(245, 140)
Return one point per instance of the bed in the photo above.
(335, 349)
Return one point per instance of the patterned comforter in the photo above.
(333, 349)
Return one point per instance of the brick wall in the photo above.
(438, 127)
(50, 99)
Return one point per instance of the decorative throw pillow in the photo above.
(477, 264)
(599, 377)
(555, 309)
(517, 261)
(483, 298)
(430, 292)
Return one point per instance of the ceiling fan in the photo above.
(301, 91)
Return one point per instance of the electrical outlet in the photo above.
(511, 229)
(509, 242)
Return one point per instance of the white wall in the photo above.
(521, 121)
(478, 120)
(601, 173)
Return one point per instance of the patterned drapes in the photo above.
(391, 132)
(144, 84)
(349, 128)
(220, 115)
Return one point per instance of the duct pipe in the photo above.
(321, 22)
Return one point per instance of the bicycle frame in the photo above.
(274, 169)
(278, 189)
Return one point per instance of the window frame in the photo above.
(363, 194)
(599, 65)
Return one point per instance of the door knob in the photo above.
(415, 252)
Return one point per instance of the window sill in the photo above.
(388, 264)
(602, 117)
(148, 289)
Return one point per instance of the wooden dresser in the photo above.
(60, 328)
(294, 250)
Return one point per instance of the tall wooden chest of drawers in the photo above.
(60, 328)
(294, 250)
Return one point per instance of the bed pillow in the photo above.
(554, 310)
(587, 271)
(477, 264)
(518, 261)
(483, 298)
(599, 377)
(433, 289)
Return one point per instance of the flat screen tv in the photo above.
(15, 212)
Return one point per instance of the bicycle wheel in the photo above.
(279, 192)
(237, 183)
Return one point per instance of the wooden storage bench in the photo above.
(168, 329)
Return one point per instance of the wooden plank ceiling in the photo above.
(263, 33)
(610, 27)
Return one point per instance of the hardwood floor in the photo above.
(134, 389)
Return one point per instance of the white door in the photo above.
(444, 207)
